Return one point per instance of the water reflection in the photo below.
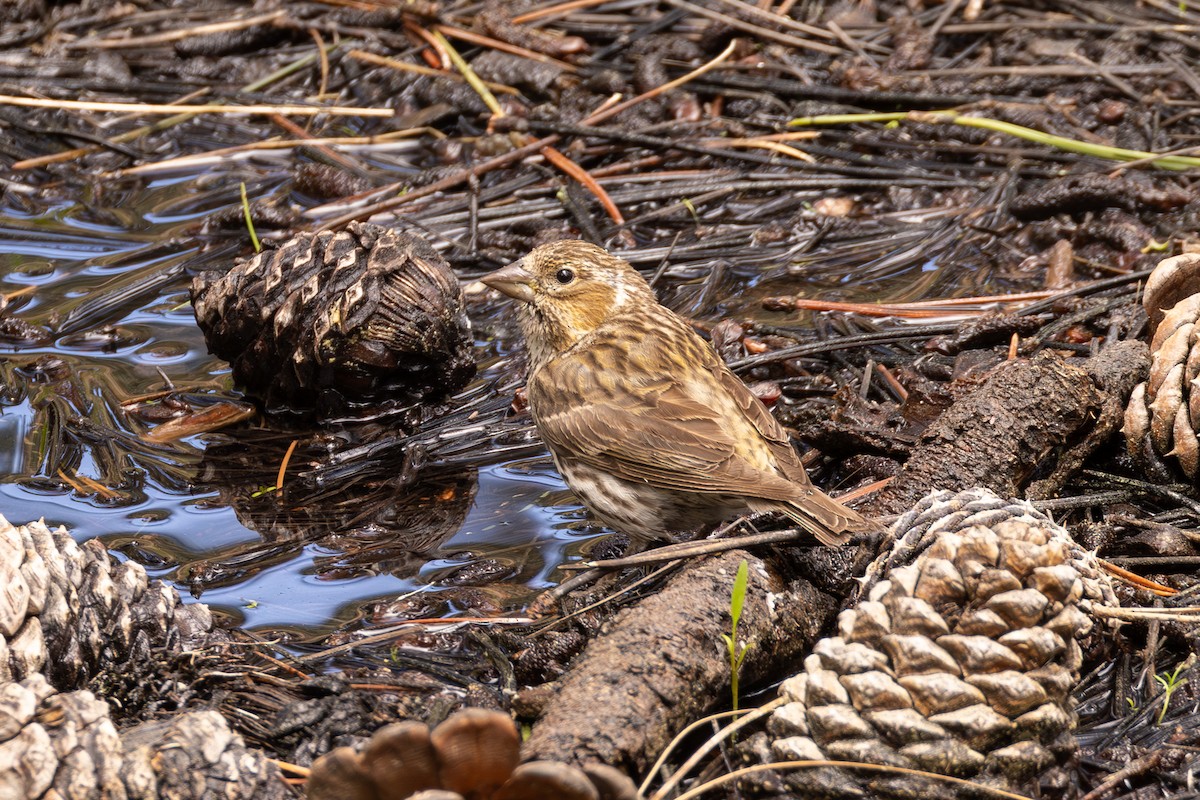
(104, 297)
(368, 528)
(464, 517)
(363, 530)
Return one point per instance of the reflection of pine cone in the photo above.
(332, 320)
(473, 754)
(1163, 414)
(958, 662)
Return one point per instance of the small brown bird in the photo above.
(646, 424)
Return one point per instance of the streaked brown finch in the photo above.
(646, 424)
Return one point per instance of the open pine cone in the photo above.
(959, 661)
(1163, 414)
(335, 321)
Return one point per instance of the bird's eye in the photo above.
(564, 275)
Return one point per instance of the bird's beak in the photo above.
(513, 280)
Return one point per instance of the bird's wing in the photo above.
(812, 509)
(659, 435)
(768, 427)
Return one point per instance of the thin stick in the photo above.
(606, 599)
(323, 54)
(401, 66)
(1130, 770)
(612, 111)
(549, 153)
(766, 144)
(869, 489)
(449, 182)
(712, 742)
(448, 622)
(496, 44)
(198, 159)
(1064, 143)
(1138, 580)
(679, 737)
(249, 220)
(287, 766)
(163, 124)
(892, 381)
(520, 153)
(128, 136)
(175, 35)
(335, 157)
(283, 465)
(580, 174)
(907, 310)
(162, 108)
(469, 75)
(551, 11)
(781, 19)
(758, 30)
(704, 547)
(1188, 614)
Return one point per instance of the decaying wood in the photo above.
(1017, 424)
(664, 661)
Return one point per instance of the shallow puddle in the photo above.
(106, 284)
(164, 507)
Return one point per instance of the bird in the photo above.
(645, 423)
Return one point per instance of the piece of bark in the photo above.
(663, 662)
(1020, 422)
(1115, 371)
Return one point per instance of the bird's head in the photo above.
(567, 290)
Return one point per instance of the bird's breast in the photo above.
(640, 510)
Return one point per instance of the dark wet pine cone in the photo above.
(1163, 414)
(959, 661)
(340, 322)
(473, 755)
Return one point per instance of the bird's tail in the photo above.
(825, 518)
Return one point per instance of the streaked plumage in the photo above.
(645, 422)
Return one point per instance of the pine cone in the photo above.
(473, 755)
(340, 321)
(1163, 413)
(69, 615)
(959, 661)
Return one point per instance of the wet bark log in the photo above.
(1029, 418)
(664, 661)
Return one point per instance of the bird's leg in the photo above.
(546, 602)
(728, 530)
(745, 522)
